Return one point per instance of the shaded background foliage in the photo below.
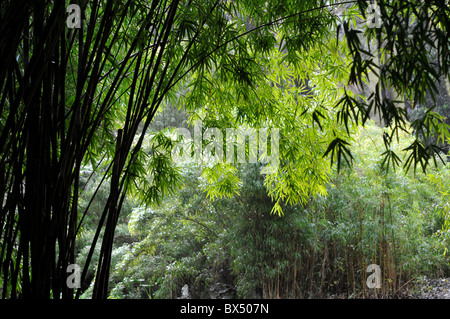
(397, 220)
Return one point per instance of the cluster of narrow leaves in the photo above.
(291, 86)
(409, 55)
(308, 85)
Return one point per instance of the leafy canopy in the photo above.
(301, 68)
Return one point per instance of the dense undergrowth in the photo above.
(371, 215)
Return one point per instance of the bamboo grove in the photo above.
(71, 96)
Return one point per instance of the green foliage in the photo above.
(370, 215)
(171, 244)
(302, 103)
(220, 182)
(387, 214)
(440, 179)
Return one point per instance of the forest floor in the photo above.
(430, 289)
(423, 288)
